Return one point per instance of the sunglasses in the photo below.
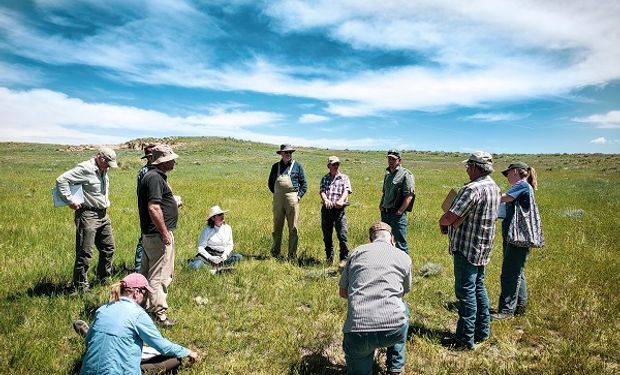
(287, 152)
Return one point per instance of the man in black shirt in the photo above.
(158, 218)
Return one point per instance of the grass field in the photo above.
(268, 317)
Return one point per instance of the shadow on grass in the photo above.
(308, 262)
(316, 364)
(451, 306)
(416, 329)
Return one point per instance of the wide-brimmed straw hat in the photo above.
(162, 154)
(215, 210)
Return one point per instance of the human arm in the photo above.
(150, 335)
(406, 200)
(326, 202)
(301, 179)
(271, 181)
(343, 290)
(343, 293)
(203, 240)
(74, 176)
(408, 189)
(342, 201)
(157, 217)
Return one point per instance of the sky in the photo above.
(501, 76)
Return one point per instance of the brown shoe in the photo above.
(81, 327)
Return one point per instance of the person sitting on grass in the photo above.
(215, 243)
(114, 342)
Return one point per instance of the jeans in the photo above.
(138, 258)
(359, 348)
(474, 319)
(337, 218)
(514, 288)
(93, 228)
(399, 228)
(198, 262)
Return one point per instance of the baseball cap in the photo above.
(136, 280)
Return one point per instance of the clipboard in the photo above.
(77, 195)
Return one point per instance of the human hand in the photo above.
(193, 357)
(328, 204)
(443, 229)
(75, 206)
(166, 238)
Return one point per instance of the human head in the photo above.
(215, 216)
(148, 152)
(286, 153)
(333, 163)
(381, 231)
(480, 163)
(520, 170)
(393, 157)
(106, 158)
(134, 286)
(163, 157)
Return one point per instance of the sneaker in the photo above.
(166, 323)
(453, 343)
(80, 327)
(342, 263)
(501, 316)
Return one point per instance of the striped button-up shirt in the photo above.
(334, 189)
(478, 204)
(376, 277)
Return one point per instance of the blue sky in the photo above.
(501, 76)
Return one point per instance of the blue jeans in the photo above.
(359, 348)
(138, 258)
(474, 320)
(399, 229)
(514, 287)
(337, 218)
(198, 262)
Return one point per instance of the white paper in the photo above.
(77, 195)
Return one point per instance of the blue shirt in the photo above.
(520, 192)
(114, 340)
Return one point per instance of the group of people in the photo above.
(374, 277)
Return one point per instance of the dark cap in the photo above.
(393, 154)
(379, 226)
(518, 164)
(148, 150)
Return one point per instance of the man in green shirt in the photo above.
(398, 197)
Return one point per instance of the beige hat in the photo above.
(109, 155)
(480, 157)
(379, 226)
(333, 160)
(162, 154)
(285, 148)
(215, 210)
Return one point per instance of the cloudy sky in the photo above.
(502, 76)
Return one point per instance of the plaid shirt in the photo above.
(478, 204)
(336, 187)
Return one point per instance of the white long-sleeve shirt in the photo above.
(217, 238)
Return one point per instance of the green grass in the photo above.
(278, 318)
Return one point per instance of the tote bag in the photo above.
(525, 228)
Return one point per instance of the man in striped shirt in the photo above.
(335, 189)
(374, 280)
(470, 226)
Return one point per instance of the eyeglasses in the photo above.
(287, 152)
(220, 215)
(336, 164)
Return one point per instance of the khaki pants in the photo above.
(285, 206)
(157, 266)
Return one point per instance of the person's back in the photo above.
(378, 274)
(114, 346)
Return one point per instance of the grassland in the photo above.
(268, 317)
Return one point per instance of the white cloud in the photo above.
(46, 116)
(471, 53)
(309, 118)
(498, 116)
(609, 120)
(605, 141)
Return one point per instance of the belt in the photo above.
(389, 210)
(86, 208)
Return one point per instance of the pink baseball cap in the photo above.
(136, 280)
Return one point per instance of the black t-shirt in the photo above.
(154, 187)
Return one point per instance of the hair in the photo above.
(485, 169)
(530, 173)
(117, 290)
(382, 235)
(211, 222)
